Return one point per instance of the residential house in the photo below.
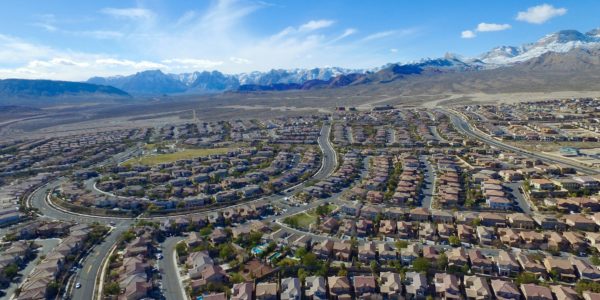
(315, 288)
(505, 290)
(447, 286)
(477, 288)
(266, 291)
(416, 286)
(536, 292)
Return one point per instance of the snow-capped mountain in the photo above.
(560, 42)
(157, 82)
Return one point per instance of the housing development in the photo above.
(474, 201)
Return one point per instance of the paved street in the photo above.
(428, 183)
(464, 127)
(518, 196)
(172, 287)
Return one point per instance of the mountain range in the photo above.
(566, 53)
(156, 82)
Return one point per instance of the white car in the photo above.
(78, 285)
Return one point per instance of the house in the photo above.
(415, 285)
(409, 254)
(564, 292)
(242, 291)
(427, 231)
(419, 214)
(530, 265)
(562, 267)
(509, 237)
(339, 287)
(266, 291)
(576, 241)
(506, 264)
(466, 233)
(367, 252)
(324, 249)
(477, 288)
(315, 288)
(457, 257)
(521, 221)
(485, 235)
(445, 231)
(390, 285)
(536, 292)
(587, 295)
(585, 270)
(342, 251)
(442, 216)
(364, 286)
(479, 263)
(291, 289)
(505, 290)
(532, 239)
(579, 222)
(386, 252)
(492, 219)
(556, 240)
(447, 286)
(547, 222)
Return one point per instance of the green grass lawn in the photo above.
(302, 220)
(171, 157)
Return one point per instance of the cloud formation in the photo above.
(486, 27)
(467, 34)
(483, 27)
(540, 14)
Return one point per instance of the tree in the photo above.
(302, 274)
(226, 251)
(52, 290)
(442, 261)
(182, 249)
(343, 271)
(310, 260)
(454, 241)
(595, 260)
(421, 264)
(112, 288)
(237, 278)
(301, 252)
(374, 267)
(11, 271)
(400, 244)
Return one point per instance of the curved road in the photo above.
(92, 263)
(463, 126)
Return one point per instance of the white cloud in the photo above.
(348, 32)
(130, 13)
(315, 24)
(379, 35)
(191, 63)
(540, 14)
(467, 34)
(239, 60)
(394, 50)
(194, 41)
(485, 27)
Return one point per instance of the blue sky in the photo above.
(74, 40)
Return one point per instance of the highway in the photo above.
(91, 265)
(463, 126)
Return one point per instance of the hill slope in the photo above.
(19, 91)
